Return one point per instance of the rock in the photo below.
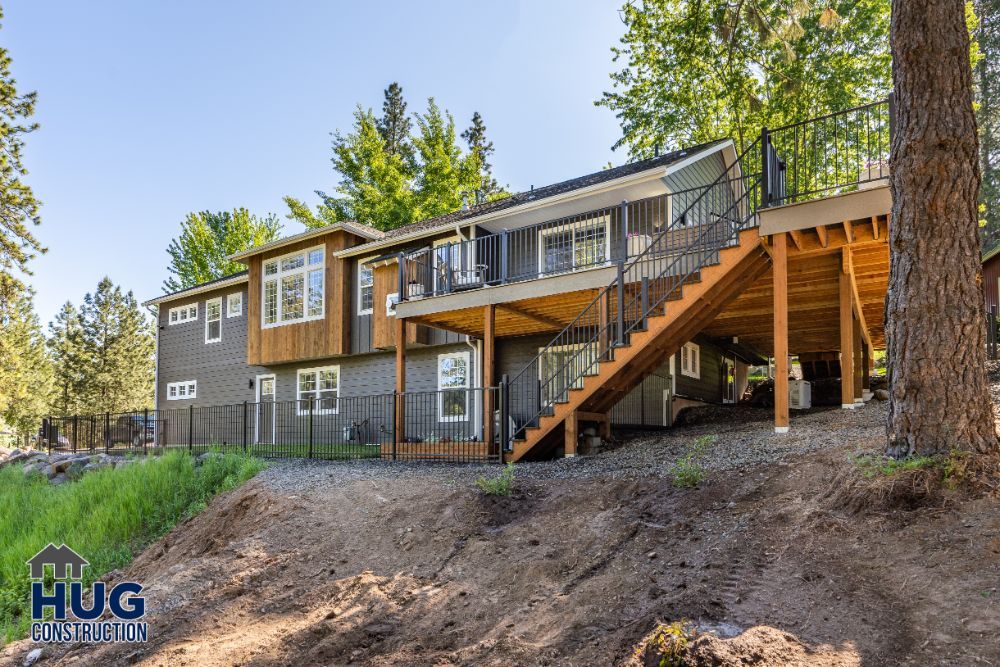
(881, 395)
(51, 470)
(61, 478)
(33, 656)
(30, 469)
(75, 470)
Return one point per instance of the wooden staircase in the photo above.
(701, 298)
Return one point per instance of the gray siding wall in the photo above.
(708, 387)
(220, 369)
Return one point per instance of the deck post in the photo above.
(859, 362)
(779, 258)
(847, 364)
(399, 425)
(604, 325)
(866, 368)
(571, 433)
(489, 373)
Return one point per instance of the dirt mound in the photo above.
(308, 566)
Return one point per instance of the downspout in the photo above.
(477, 373)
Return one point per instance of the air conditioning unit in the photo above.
(799, 394)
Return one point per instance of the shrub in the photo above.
(667, 645)
(502, 485)
(686, 472)
(107, 516)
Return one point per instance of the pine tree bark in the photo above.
(939, 398)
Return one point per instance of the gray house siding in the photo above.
(220, 369)
(708, 387)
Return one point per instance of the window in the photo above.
(234, 304)
(366, 289)
(293, 288)
(569, 248)
(213, 320)
(179, 391)
(183, 314)
(563, 367)
(691, 360)
(320, 385)
(453, 383)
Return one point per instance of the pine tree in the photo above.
(394, 126)
(482, 148)
(64, 343)
(25, 368)
(117, 349)
(207, 239)
(18, 206)
(987, 82)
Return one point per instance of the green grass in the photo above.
(686, 472)
(328, 452)
(501, 485)
(107, 516)
(875, 466)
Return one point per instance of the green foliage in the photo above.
(199, 254)
(697, 71)
(106, 516)
(686, 472)
(18, 206)
(502, 485)
(396, 170)
(986, 70)
(482, 148)
(103, 354)
(25, 368)
(669, 642)
(875, 466)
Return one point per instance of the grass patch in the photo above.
(686, 472)
(107, 516)
(501, 485)
(875, 466)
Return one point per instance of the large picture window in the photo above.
(573, 247)
(293, 288)
(366, 289)
(453, 386)
(322, 386)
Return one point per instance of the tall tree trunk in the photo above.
(934, 309)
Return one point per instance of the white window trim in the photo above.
(217, 300)
(191, 390)
(577, 384)
(298, 390)
(693, 369)
(574, 228)
(466, 357)
(230, 312)
(180, 310)
(305, 270)
(371, 269)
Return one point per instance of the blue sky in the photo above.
(149, 110)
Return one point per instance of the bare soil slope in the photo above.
(327, 564)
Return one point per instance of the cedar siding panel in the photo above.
(220, 369)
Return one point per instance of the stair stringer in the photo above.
(701, 302)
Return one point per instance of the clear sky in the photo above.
(149, 110)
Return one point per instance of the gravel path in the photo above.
(744, 437)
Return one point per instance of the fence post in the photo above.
(107, 432)
(145, 426)
(47, 432)
(190, 429)
(993, 331)
(447, 268)
(892, 120)
(401, 286)
(620, 317)
(504, 245)
(505, 434)
(624, 239)
(76, 431)
(396, 431)
(245, 422)
(765, 181)
(311, 419)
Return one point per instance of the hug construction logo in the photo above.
(108, 616)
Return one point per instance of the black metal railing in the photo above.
(832, 154)
(445, 425)
(643, 286)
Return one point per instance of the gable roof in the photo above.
(224, 281)
(441, 222)
(993, 252)
(356, 228)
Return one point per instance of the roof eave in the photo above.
(357, 230)
(198, 289)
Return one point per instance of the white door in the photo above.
(266, 389)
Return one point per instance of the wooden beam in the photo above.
(603, 320)
(571, 432)
(846, 337)
(849, 230)
(542, 319)
(399, 430)
(824, 238)
(798, 239)
(859, 352)
(489, 373)
(779, 259)
(858, 304)
(875, 228)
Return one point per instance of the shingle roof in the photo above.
(537, 194)
(196, 289)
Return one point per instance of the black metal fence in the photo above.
(992, 335)
(445, 425)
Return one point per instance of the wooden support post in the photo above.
(866, 369)
(571, 428)
(779, 261)
(489, 374)
(604, 317)
(399, 429)
(859, 352)
(846, 338)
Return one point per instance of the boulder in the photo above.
(61, 478)
(881, 395)
(32, 657)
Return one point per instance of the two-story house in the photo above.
(515, 325)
